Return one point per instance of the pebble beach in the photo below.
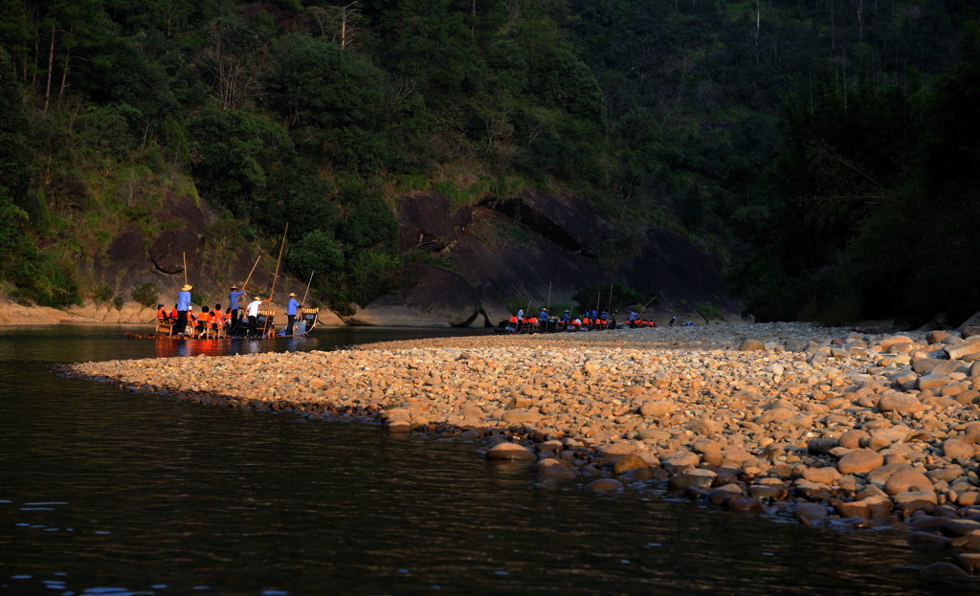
(827, 426)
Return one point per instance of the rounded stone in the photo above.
(629, 462)
(604, 485)
(856, 509)
(824, 475)
(852, 439)
(744, 504)
(907, 480)
(682, 459)
(955, 448)
(510, 452)
(657, 408)
(696, 478)
(399, 426)
(859, 461)
(751, 345)
(902, 403)
(809, 512)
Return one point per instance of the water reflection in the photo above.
(169, 348)
(102, 488)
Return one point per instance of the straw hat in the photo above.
(234, 286)
(186, 288)
(292, 295)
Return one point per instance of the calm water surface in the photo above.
(103, 491)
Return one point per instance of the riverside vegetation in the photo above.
(791, 139)
(825, 425)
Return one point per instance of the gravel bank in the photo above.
(829, 426)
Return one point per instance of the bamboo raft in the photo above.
(306, 318)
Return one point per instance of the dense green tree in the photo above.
(234, 153)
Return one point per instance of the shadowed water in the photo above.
(104, 491)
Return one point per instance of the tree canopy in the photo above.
(823, 149)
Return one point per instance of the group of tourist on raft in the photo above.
(225, 322)
(590, 320)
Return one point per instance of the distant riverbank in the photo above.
(13, 313)
(827, 426)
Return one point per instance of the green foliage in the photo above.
(789, 141)
(147, 294)
(235, 153)
(48, 279)
(708, 311)
(610, 298)
(16, 157)
(374, 273)
(371, 224)
(102, 293)
(862, 162)
(319, 252)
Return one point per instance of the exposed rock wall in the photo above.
(525, 249)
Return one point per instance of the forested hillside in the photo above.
(824, 150)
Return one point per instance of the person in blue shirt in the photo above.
(183, 305)
(632, 320)
(291, 308)
(543, 320)
(233, 296)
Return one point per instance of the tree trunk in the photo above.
(64, 77)
(47, 92)
(833, 29)
(860, 15)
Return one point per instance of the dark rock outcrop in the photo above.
(524, 249)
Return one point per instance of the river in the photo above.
(105, 491)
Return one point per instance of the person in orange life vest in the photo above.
(217, 319)
(201, 322)
(162, 315)
(173, 313)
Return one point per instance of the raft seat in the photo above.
(210, 333)
(269, 326)
(165, 327)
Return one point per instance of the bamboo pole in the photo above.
(251, 272)
(185, 268)
(308, 287)
(275, 278)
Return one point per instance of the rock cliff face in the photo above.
(188, 231)
(522, 249)
(485, 259)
